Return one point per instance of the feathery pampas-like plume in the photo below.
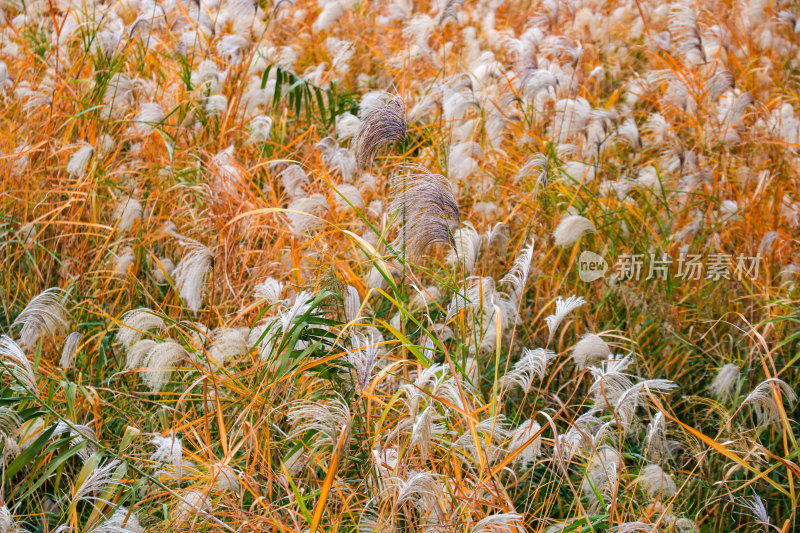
(328, 419)
(524, 433)
(655, 482)
(17, 362)
(45, 314)
(425, 210)
(725, 381)
(763, 401)
(190, 274)
(385, 122)
(76, 166)
(362, 357)
(467, 247)
(589, 349)
(169, 451)
(270, 290)
(636, 395)
(532, 364)
(70, 348)
(159, 362)
(122, 521)
(517, 277)
(135, 323)
(499, 522)
(603, 471)
(570, 229)
(128, 211)
(96, 482)
(563, 309)
(136, 353)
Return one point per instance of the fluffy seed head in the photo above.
(45, 314)
(572, 228)
(190, 274)
(425, 210)
(725, 381)
(589, 350)
(386, 122)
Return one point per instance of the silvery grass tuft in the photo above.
(424, 208)
(45, 315)
(385, 122)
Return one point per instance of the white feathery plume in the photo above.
(169, 450)
(762, 399)
(478, 296)
(128, 211)
(415, 392)
(517, 277)
(328, 419)
(79, 433)
(589, 349)
(497, 238)
(190, 504)
(348, 197)
(636, 395)
(563, 308)
(603, 471)
(467, 246)
(10, 424)
(424, 208)
(352, 304)
(7, 523)
(347, 125)
(656, 438)
(122, 521)
(225, 478)
(123, 261)
(136, 353)
(629, 132)
(757, 509)
(76, 166)
(70, 348)
(524, 433)
(331, 11)
(259, 128)
(610, 380)
(630, 527)
(500, 522)
(136, 322)
(161, 269)
(538, 166)
(96, 482)
(159, 362)
(532, 364)
(17, 362)
(656, 483)
(226, 344)
(418, 488)
(385, 122)
(362, 357)
(302, 304)
(294, 180)
(270, 290)
(385, 459)
(45, 314)
(190, 274)
(304, 213)
(725, 381)
(150, 115)
(572, 228)
(491, 431)
(425, 428)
